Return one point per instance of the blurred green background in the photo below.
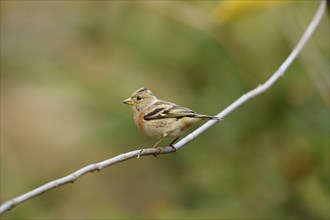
(67, 65)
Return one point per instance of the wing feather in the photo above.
(162, 110)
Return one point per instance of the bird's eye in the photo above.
(138, 98)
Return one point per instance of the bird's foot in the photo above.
(160, 150)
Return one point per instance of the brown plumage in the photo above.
(161, 119)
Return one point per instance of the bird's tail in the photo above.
(207, 117)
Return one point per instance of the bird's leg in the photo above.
(171, 144)
(161, 149)
(156, 146)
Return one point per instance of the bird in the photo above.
(161, 119)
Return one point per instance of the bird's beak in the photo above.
(128, 101)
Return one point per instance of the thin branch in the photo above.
(266, 85)
(154, 151)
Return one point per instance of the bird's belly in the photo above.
(169, 127)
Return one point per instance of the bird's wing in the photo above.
(179, 112)
(163, 110)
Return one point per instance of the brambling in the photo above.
(161, 119)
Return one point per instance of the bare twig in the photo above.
(154, 151)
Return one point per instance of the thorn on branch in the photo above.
(138, 156)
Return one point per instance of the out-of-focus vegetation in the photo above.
(67, 65)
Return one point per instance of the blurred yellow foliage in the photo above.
(227, 11)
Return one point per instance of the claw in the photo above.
(160, 151)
